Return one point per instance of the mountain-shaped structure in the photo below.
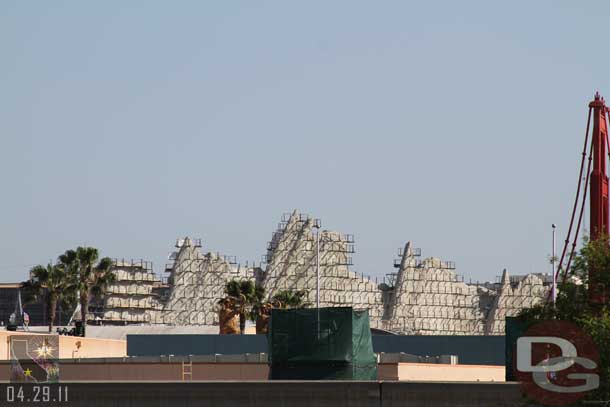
(425, 296)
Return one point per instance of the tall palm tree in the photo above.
(227, 316)
(90, 276)
(290, 299)
(260, 310)
(56, 280)
(243, 294)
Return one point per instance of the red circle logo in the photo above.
(556, 363)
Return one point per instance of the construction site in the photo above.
(423, 296)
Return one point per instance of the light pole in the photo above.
(317, 224)
(553, 260)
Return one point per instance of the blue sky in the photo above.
(457, 125)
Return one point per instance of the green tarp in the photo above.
(515, 328)
(321, 344)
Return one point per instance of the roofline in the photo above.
(11, 285)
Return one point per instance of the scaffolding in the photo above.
(292, 259)
(131, 298)
(427, 297)
(422, 296)
(515, 293)
(197, 283)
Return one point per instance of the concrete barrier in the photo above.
(407, 394)
(291, 394)
(211, 394)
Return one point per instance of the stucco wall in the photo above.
(117, 370)
(77, 347)
(163, 371)
(439, 372)
(141, 369)
(72, 346)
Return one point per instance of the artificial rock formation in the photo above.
(428, 298)
(513, 296)
(197, 283)
(291, 265)
(132, 297)
(424, 297)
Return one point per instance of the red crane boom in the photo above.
(599, 179)
(599, 193)
(596, 176)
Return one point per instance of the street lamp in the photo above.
(317, 224)
(553, 260)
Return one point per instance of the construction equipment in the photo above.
(596, 178)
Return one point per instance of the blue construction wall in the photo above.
(472, 350)
(184, 345)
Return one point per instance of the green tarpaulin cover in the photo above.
(321, 344)
(515, 328)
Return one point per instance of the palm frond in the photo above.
(291, 299)
(68, 258)
(87, 256)
(39, 273)
(104, 265)
(31, 291)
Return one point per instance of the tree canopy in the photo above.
(77, 276)
(573, 304)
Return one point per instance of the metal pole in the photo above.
(553, 260)
(317, 225)
(318, 268)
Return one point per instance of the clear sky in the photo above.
(457, 125)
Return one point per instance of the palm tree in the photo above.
(243, 295)
(90, 276)
(57, 282)
(261, 310)
(228, 316)
(30, 291)
(290, 299)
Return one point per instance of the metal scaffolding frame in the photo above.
(423, 296)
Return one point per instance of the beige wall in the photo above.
(77, 347)
(120, 371)
(440, 372)
(162, 371)
(83, 370)
(73, 346)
